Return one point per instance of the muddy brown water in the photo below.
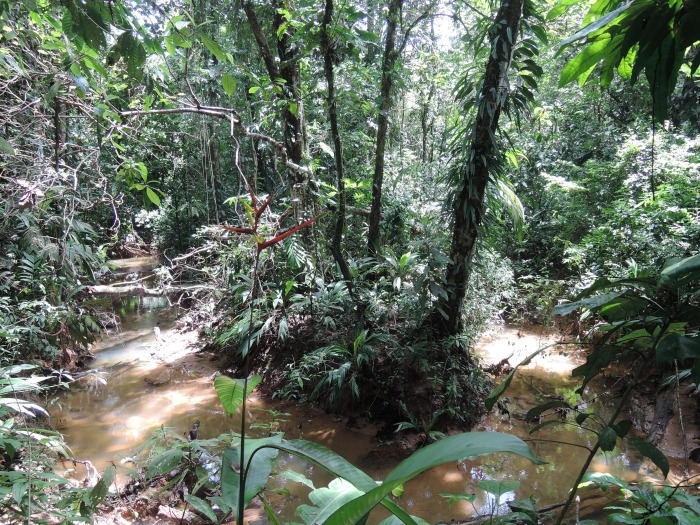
(107, 415)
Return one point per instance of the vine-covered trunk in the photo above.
(478, 158)
(286, 66)
(328, 58)
(390, 55)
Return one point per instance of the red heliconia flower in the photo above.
(254, 217)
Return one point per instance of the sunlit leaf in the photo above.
(230, 391)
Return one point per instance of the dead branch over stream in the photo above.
(139, 290)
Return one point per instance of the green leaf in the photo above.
(451, 497)
(229, 84)
(534, 413)
(607, 439)
(201, 506)
(165, 462)
(497, 392)
(598, 24)
(560, 8)
(677, 347)
(583, 63)
(99, 491)
(597, 360)
(259, 460)
(601, 478)
(622, 308)
(654, 454)
(366, 36)
(327, 500)
(590, 303)
(622, 428)
(230, 391)
(394, 520)
(299, 478)
(6, 147)
(338, 466)
(213, 47)
(152, 196)
(449, 449)
(679, 273)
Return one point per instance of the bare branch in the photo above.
(229, 115)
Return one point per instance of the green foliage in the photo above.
(334, 370)
(352, 502)
(30, 490)
(644, 319)
(638, 504)
(617, 38)
(231, 391)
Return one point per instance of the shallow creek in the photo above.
(107, 414)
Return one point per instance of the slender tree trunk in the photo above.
(214, 165)
(286, 66)
(480, 154)
(390, 56)
(328, 59)
(426, 123)
(59, 132)
(372, 17)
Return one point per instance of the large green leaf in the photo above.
(599, 358)
(591, 303)
(677, 347)
(165, 462)
(451, 448)
(230, 391)
(229, 83)
(213, 46)
(201, 506)
(393, 520)
(651, 452)
(595, 26)
(560, 8)
(340, 467)
(681, 272)
(326, 500)
(263, 454)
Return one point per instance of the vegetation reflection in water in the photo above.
(109, 414)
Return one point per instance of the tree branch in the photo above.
(272, 67)
(227, 114)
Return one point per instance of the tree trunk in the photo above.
(480, 155)
(390, 56)
(328, 58)
(286, 66)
